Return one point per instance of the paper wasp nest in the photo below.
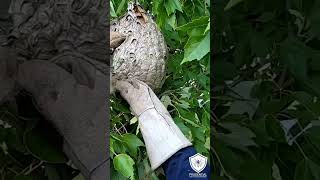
(142, 55)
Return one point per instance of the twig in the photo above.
(301, 150)
(218, 158)
(34, 168)
(15, 172)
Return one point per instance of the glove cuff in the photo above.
(161, 135)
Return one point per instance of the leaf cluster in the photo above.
(266, 74)
(30, 148)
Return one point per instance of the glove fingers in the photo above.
(82, 71)
(135, 83)
(124, 87)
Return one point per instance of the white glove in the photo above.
(162, 136)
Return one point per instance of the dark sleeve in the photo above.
(178, 166)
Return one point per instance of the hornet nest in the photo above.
(142, 55)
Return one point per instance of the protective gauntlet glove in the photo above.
(73, 97)
(72, 94)
(161, 135)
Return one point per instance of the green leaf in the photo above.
(185, 129)
(196, 48)
(172, 5)
(124, 164)
(207, 28)
(198, 132)
(276, 172)
(199, 146)
(314, 135)
(184, 104)
(227, 157)
(259, 128)
(14, 139)
(117, 144)
(145, 172)
(295, 55)
(191, 122)
(166, 101)
(112, 11)
(172, 21)
(274, 129)
(132, 142)
(121, 7)
(115, 175)
(111, 145)
(239, 137)
(201, 22)
(44, 146)
(185, 93)
(133, 120)
(246, 103)
(207, 143)
(232, 3)
(308, 170)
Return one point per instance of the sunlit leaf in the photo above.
(124, 164)
(196, 48)
(132, 142)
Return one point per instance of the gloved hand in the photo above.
(162, 136)
(72, 94)
(78, 111)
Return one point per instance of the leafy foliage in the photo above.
(186, 28)
(266, 90)
(31, 149)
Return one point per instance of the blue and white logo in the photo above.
(198, 162)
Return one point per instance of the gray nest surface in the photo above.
(142, 55)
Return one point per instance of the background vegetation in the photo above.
(30, 149)
(266, 90)
(186, 28)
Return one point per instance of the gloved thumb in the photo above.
(125, 88)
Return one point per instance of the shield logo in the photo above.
(198, 162)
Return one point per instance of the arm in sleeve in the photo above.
(178, 167)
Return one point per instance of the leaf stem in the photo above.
(219, 160)
(34, 168)
(300, 149)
